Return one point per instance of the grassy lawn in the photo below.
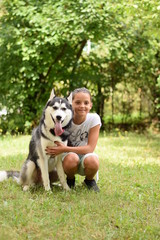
(127, 207)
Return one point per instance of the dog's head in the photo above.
(58, 113)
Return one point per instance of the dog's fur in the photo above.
(55, 120)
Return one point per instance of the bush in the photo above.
(126, 122)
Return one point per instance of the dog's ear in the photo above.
(52, 95)
(69, 98)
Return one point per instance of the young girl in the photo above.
(79, 156)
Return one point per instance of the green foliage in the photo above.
(44, 45)
(40, 46)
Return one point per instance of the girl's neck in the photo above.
(78, 120)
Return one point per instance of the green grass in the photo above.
(127, 207)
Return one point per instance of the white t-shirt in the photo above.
(79, 133)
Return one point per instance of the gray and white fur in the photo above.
(56, 119)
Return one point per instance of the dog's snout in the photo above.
(58, 118)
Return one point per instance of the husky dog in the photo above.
(56, 118)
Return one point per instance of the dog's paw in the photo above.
(66, 188)
(25, 188)
(47, 188)
(49, 193)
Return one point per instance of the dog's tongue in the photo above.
(58, 129)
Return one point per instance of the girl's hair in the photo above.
(83, 90)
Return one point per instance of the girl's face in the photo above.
(81, 104)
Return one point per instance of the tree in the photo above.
(42, 45)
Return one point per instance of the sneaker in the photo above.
(91, 185)
(71, 182)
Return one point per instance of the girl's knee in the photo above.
(71, 161)
(91, 162)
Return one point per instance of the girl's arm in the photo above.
(89, 148)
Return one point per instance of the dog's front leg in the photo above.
(43, 163)
(61, 173)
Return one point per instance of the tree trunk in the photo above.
(112, 95)
(100, 106)
(78, 55)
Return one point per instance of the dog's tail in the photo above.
(4, 175)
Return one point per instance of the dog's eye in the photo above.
(64, 109)
(55, 108)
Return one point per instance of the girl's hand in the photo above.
(54, 151)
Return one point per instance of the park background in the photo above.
(110, 47)
(113, 49)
